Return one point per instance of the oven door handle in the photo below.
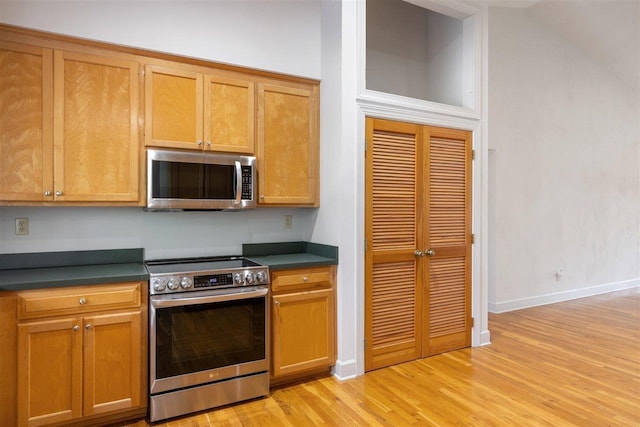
(164, 303)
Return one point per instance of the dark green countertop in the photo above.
(56, 269)
(287, 255)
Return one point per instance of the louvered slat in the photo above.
(393, 193)
(447, 296)
(447, 191)
(394, 302)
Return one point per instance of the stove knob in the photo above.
(238, 279)
(261, 277)
(250, 278)
(186, 282)
(173, 284)
(159, 285)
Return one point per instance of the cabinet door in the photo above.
(26, 120)
(111, 362)
(96, 145)
(288, 145)
(229, 115)
(303, 331)
(49, 372)
(173, 108)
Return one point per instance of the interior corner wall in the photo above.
(567, 182)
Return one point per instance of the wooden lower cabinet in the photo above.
(303, 322)
(77, 366)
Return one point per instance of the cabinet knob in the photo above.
(199, 142)
(208, 143)
(59, 193)
(82, 301)
(47, 193)
(76, 328)
(87, 326)
(305, 279)
(262, 197)
(278, 303)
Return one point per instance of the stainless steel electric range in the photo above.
(208, 333)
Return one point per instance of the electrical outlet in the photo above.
(288, 221)
(22, 226)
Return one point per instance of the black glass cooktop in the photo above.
(205, 264)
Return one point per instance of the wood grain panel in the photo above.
(447, 318)
(392, 226)
(287, 145)
(96, 149)
(8, 359)
(77, 299)
(229, 111)
(174, 108)
(112, 360)
(49, 372)
(305, 336)
(26, 121)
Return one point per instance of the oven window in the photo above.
(208, 336)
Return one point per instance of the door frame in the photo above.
(480, 335)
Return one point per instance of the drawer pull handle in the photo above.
(82, 301)
(305, 279)
(87, 326)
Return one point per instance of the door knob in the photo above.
(419, 254)
(430, 252)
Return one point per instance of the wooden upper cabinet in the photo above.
(26, 111)
(197, 111)
(173, 106)
(96, 145)
(288, 145)
(229, 115)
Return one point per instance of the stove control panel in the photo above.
(169, 283)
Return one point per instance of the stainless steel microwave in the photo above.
(181, 180)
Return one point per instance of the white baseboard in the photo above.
(345, 370)
(517, 304)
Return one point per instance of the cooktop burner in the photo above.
(197, 274)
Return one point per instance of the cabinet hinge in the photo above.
(473, 154)
(365, 245)
(473, 238)
(473, 322)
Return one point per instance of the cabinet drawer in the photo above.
(80, 299)
(285, 280)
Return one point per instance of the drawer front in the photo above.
(285, 280)
(77, 299)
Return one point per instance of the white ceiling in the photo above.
(608, 31)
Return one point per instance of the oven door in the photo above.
(203, 337)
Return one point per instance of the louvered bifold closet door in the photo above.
(447, 322)
(393, 207)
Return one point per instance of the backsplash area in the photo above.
(161, 234)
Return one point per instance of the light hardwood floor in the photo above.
(574, 363)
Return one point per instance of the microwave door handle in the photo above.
(238, 183)
(177, 302)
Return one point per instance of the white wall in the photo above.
(414, 52)
(566, 136)
(162, 234)
(282, 36)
